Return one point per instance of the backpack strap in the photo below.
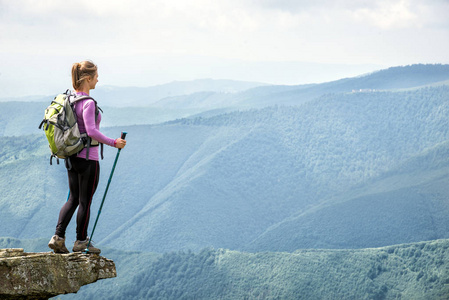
(75, 99)
(51, 158)
(68, 163)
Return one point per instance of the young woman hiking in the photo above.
(85, 169)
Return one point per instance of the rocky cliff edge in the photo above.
(44, 275)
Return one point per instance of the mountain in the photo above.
(121, 105)
(406, 271)
(246, 180)
(394, 78)
(142, 97)
(23, 118)
(265, 165)
(410, 271)
(329, 191)
(407, 203)
(205, 97)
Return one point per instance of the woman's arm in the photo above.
(91, 128)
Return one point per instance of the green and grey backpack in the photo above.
(61, 127)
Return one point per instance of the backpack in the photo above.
(61, 128)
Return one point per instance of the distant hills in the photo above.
(266, 166)
(263, 172)
(272, 179)
(390, 79)
(122, 105)
(143, 97)
(206, 97)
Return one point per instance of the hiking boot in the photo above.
(57, 244)
(80, 246)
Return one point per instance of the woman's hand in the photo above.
(120, 143)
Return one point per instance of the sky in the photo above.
(150, 42)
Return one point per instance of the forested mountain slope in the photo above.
(229, 181)
(335, 169)
(407, 203)
(408, 271)
(274, 162)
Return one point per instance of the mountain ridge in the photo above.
(243, 118)
(14, 121)
(394, 78)
(412, 271)
(238, 173)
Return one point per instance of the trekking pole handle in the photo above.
(123, 135)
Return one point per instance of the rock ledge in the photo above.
(44, 275)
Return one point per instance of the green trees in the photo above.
(407, 271)
(277, 178)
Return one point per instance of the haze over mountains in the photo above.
(355, 163)
(246, 174)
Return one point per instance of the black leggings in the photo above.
(83, 181)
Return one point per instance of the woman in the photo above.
(84, 173)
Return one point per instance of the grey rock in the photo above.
(44, 275)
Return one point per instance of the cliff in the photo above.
(44, 275)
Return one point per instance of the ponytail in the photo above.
(82, 71)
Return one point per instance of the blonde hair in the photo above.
(82, 71)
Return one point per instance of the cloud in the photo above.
(383, 14)
(381, 32)
(305, 5)
(388, 15)
(195, 27)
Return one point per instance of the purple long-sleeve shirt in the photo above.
(85, 112)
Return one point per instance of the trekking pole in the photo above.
(105, 192)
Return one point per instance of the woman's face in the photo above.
(93, 81)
